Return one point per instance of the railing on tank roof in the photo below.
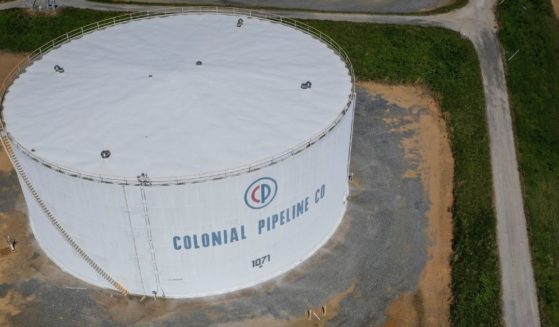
(194, 178)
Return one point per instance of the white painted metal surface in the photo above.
(237, 105)
(186, 236)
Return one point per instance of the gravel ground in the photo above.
(377, 253)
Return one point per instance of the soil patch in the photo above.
(428, 148)
(5, 164)
(555, 4)
(10, 305)
(316, 317)
(7, 62)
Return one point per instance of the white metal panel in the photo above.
(237, 105)
(110, 223)
(93, 214)
(204, 208)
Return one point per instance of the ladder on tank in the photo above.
(15, 162)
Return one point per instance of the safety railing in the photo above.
(194, 178)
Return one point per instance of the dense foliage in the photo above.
(530, 27)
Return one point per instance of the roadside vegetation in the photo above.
(530, 27)
(439, 59)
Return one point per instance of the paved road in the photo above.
(477, 22)
(377, 6)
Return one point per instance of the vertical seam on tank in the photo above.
(150, 238)
(352, 108)
(133, 237)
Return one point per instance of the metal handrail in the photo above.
(164, 12)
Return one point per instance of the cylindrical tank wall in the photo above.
(196, 239)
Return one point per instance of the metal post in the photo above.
(513, 55)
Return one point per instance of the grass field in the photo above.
(437, 58)
(533, 80)
(21, 32)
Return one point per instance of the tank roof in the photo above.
(177, 96)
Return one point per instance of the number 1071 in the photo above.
(260, 261)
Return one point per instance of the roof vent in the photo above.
(198, 63)
(240, 22)
(58, 69)
(306, 85)
(143, 178)
(105, 154)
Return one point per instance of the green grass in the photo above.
(533, 81)
(21, 32)
(436, 58)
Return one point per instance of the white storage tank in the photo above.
(183, 153)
